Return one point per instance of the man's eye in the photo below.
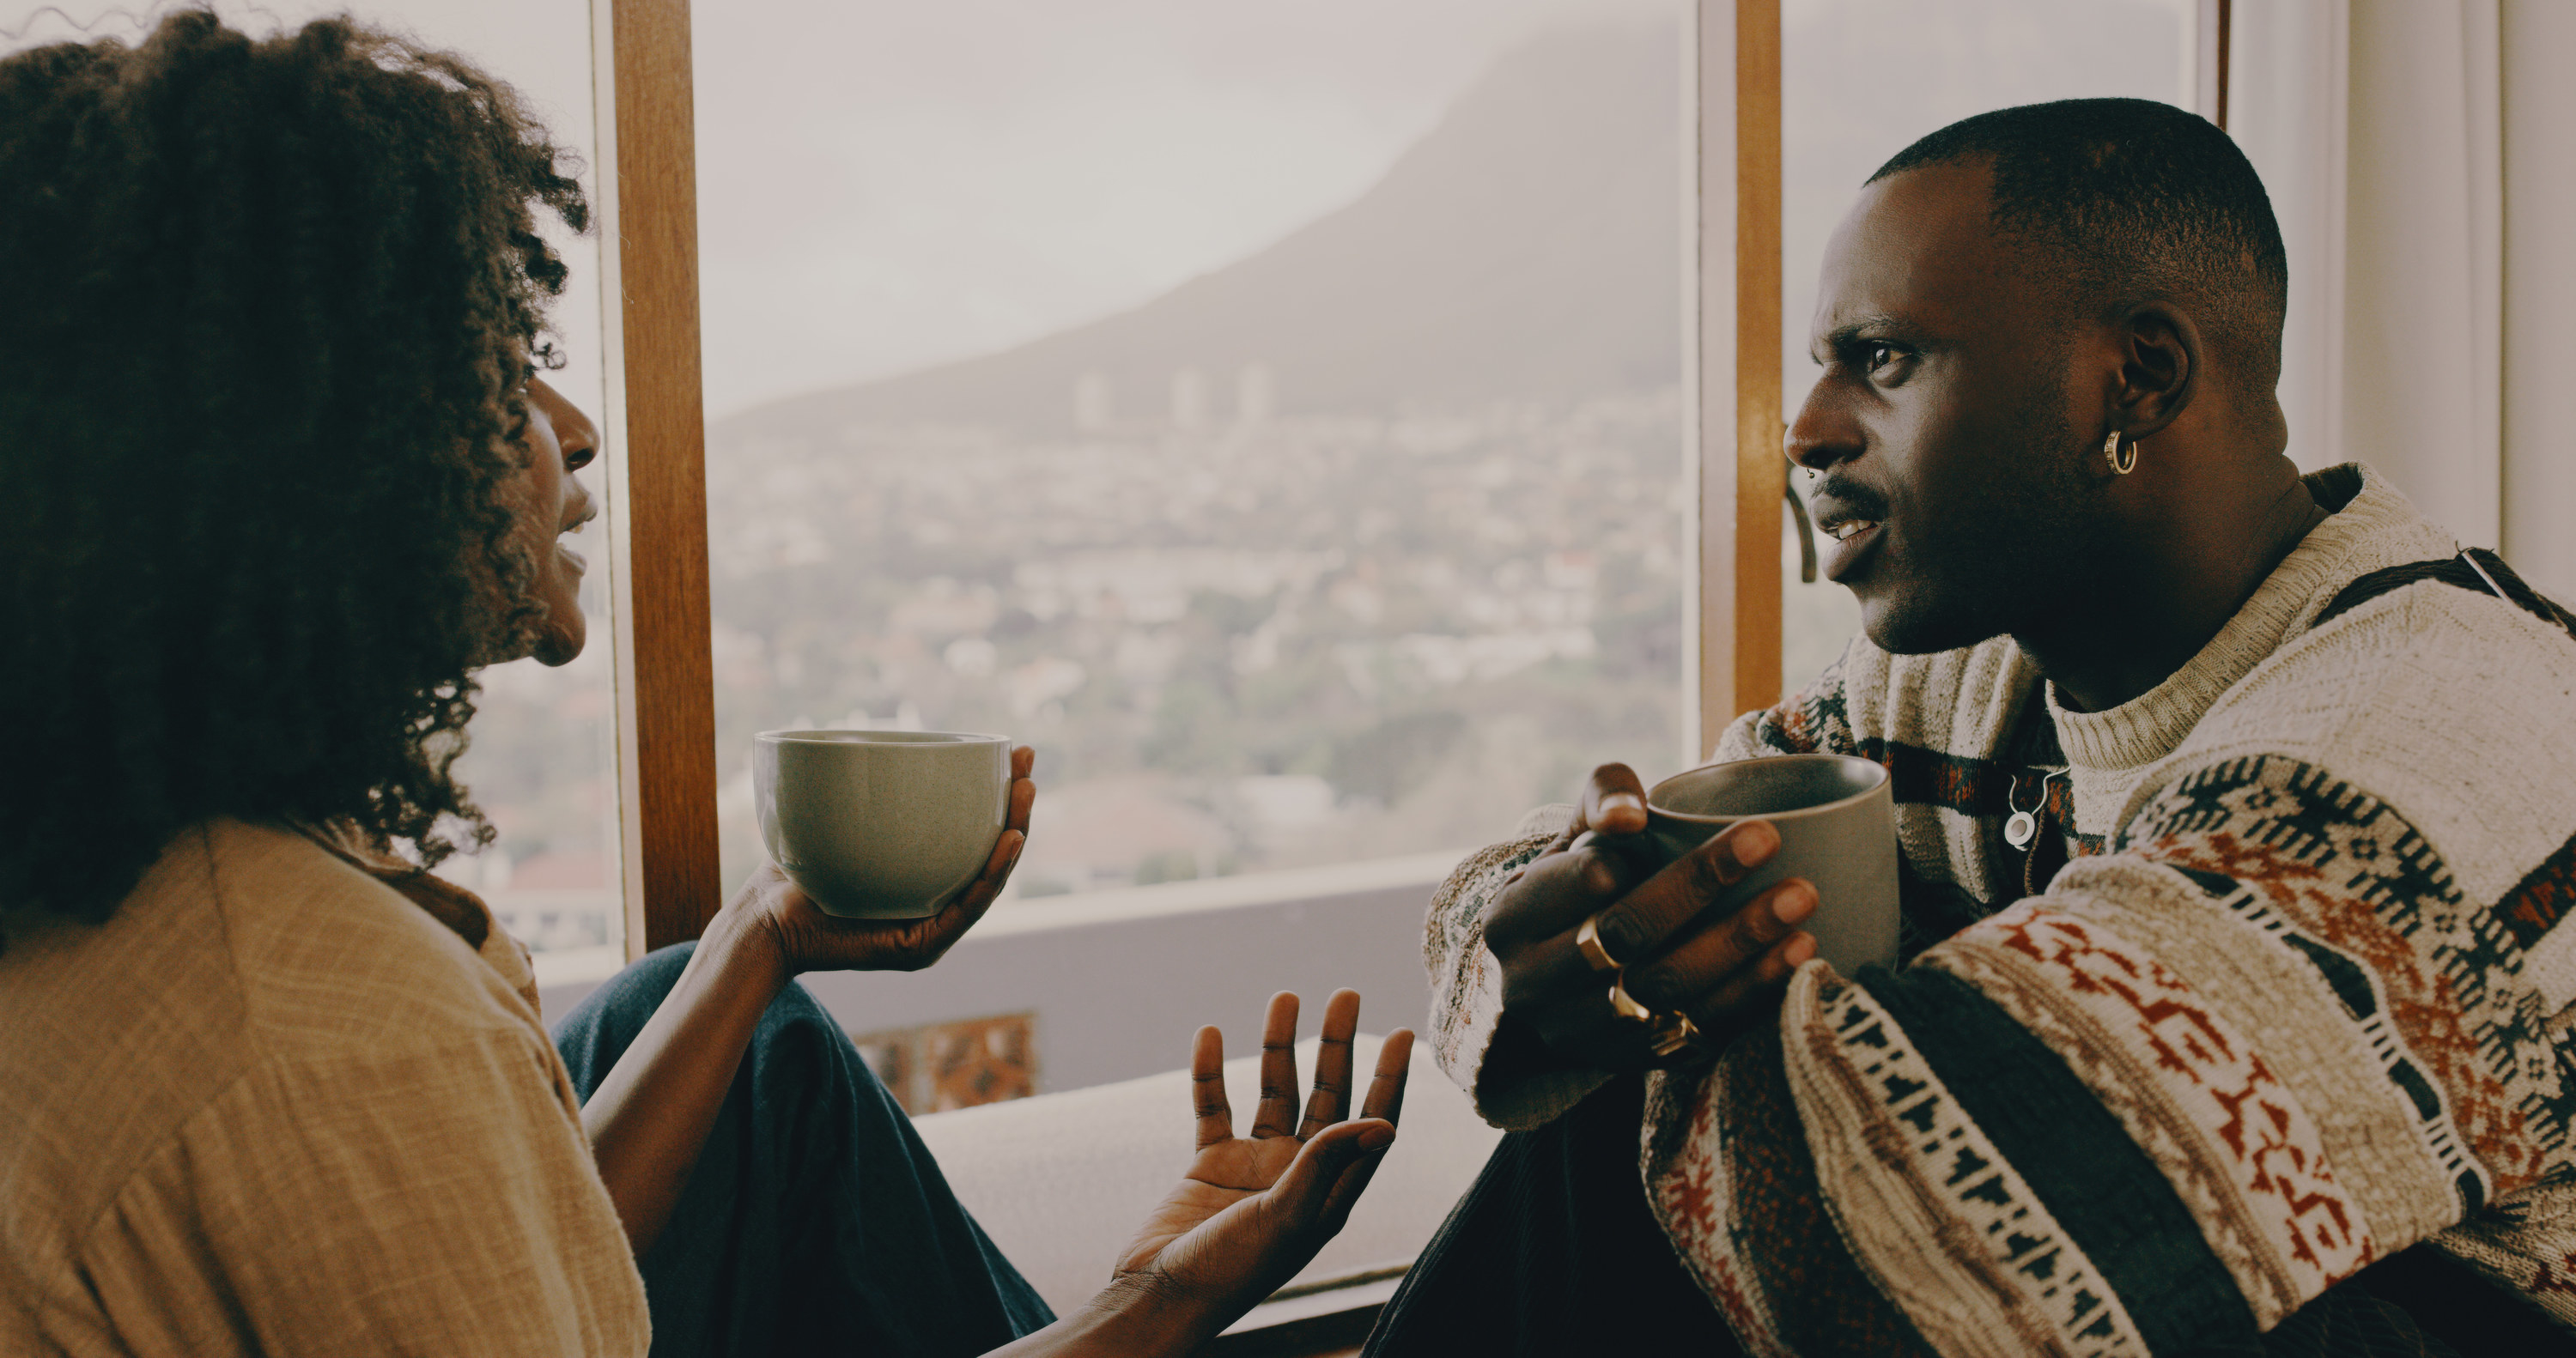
(1880, 355)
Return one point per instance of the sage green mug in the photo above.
(1837, 821)
(881, 824)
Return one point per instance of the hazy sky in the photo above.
(905, 182)
(885, 184)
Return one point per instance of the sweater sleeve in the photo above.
(2303, 1015)
(1513, 1086)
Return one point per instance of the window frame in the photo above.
(1731, 365)
(647, 218)
(647, 215)
(647, 212)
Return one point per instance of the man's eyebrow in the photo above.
(1849, 333)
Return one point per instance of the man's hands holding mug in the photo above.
(1674, 954)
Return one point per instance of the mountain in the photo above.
(1528, 246)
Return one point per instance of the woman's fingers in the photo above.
(1207, 1088)
(1330, 1170)
(1386, 1090)
(1277, 1115)
(941, 931)
(1024, 794)
(1330, 1101)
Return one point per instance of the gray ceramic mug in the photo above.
(881, 824)
(1837, 824)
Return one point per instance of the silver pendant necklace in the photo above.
(2023, 827)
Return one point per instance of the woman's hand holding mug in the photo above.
(810, 939)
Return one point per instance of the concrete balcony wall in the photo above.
(1119, 980)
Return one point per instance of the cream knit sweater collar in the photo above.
(2149, 727)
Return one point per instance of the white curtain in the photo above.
(2422, 157)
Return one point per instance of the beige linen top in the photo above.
(273, 1106)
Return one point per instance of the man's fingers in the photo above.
(1614, 801)
(1023, 759)
(1709, 958)
(1756, 983)
(1331, 1100)
(1639, 924)
(1554, 893)
(1207, 1087)
(1277, 1115)
(1386, 1089)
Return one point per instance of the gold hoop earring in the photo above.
(2111, 449)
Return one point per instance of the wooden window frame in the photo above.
(1731, 364)
(656, 479)
(666, 764)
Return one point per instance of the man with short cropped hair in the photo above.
(2249, 1032)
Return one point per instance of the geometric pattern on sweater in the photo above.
(1691, 1170)
(2357, 988)
(2192, 1087)
(2317, 848)
(2017, 1284)
(2302, 995)
(1729, 1152)
(2539, 901)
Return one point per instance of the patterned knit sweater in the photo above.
(2298, 998)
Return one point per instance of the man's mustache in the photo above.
(1850, 499)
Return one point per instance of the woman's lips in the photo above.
(572, 559)
(1851, 541)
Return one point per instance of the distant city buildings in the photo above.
(1256, 394)
(1094, 404)
(1240, 640)
(1189, 401)
(1191, 409)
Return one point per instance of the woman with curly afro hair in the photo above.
(281, 475)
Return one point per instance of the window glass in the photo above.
(542, 761)
(1269, 412)
(1862, 79)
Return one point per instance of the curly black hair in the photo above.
(270, 309)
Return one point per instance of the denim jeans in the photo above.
(815, 1220)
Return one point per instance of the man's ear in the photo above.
(2160, 361)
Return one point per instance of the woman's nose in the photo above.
(578, 438)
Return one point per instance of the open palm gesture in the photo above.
(1253, 1210)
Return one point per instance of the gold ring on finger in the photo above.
(1587, 941)
(1673, 1037)
(1625, 1005)
(1670, 1034)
